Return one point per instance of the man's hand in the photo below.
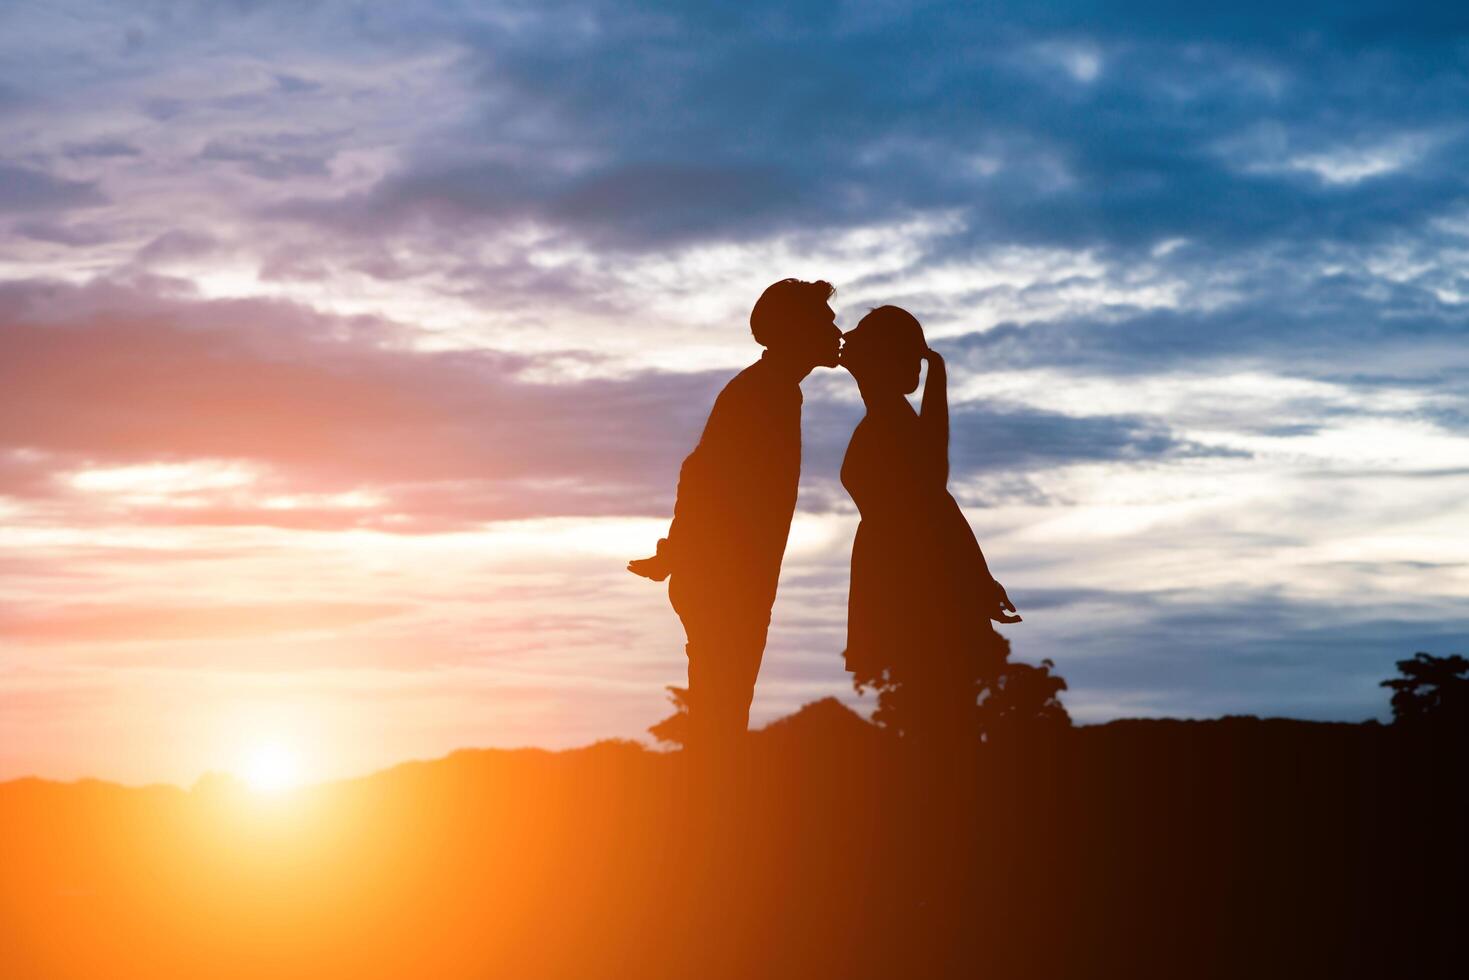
(656, 568)
(1004, 608)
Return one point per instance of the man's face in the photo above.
(821, 338)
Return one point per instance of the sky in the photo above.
(347, 353)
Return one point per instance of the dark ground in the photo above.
(1238, 848)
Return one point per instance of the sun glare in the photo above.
(271, 768)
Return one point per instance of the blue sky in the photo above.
(347, 353)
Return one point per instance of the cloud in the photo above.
(71, 235)
(643, 130)
(23, 190)
(1128, 653)
(174, 245)
(347, 426)
(1308, 327)
(999, 444)
(105, 147)
(142, 624)
(327, 405)
(1013, 440)
(265, 162)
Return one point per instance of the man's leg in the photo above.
(726, 643)
(723, 668)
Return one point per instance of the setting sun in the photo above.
(270, 767)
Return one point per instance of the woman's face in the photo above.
(910, 364)
(886, 370)
(889, 360)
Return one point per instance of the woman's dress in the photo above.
(921, 593)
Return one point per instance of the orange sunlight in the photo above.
(270, 768)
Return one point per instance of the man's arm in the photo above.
(663, 561)
(736, 488)
(697, 483)
(657, 567)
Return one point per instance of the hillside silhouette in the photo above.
(1236, 847)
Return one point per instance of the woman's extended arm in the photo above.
(934, 421)
(934, 414)
(992, 593)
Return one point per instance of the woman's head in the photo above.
(884, 351)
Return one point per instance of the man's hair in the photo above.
(784, 303)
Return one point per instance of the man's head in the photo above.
(792, 319)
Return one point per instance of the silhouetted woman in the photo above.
(922, 597)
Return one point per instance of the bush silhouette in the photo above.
(1023, 696)
(992, 696)
(674, 730)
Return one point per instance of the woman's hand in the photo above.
(1004, 608)
(933, 357)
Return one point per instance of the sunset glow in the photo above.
(271, 768)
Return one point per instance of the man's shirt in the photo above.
(737, 489)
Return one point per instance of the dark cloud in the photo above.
(74, 235)
(991, 439)
(267, 163)
(14, 99)
(1226, 652)
(1081, 125)
(996, 442)
(295, 84)
(1324, 328)
(176, 244)
(163, 108)
(25, 190)
(105, 147)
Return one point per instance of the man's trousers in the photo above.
(726, 641)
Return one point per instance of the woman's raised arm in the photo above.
(934, 414)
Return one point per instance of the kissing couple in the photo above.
(921, 595)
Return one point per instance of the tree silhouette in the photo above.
(1433, 691)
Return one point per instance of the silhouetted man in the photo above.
(736, 496)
